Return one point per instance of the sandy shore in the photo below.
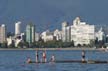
(48, 49)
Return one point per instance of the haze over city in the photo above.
(52, 12)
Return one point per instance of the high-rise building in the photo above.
(37, 36)
(81, 32)
(17, 28)
(68, 34)
(64, 32)
(2, 33)
(30, 33)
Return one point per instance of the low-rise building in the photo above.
(57, 35)
(100, 35)
(9, 40)
(47, 36)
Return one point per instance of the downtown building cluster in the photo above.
(81, 33)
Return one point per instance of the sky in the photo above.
(49, 14)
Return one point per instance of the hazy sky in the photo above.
(52, 12)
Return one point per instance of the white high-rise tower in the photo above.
(64, 32)
(17, 28)
(2, 33)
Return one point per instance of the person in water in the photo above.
(44, 56)
(28, 60)
(37, 57)
(83, 56)
(52, 58)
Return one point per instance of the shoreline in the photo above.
(49, 48)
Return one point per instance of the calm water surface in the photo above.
(14, 60)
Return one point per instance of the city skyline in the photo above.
(80, 32)
(53, 12)
(57, 35)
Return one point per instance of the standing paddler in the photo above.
(44, 56)
(28, 60)
(83, 56)
(37, 56)
(52, 58)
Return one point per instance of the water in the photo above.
(15, 61)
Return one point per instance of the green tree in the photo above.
(92, 43)
(4, 45)
(12, 45)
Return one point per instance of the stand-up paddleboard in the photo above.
(74, 61)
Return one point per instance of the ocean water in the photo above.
(14, 60)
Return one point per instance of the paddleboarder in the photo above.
(28, 60)
(37, 56)
(52, 58)
(44, 56)
(83, 56)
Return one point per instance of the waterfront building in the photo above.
(100, 34)
(57, 35)
(30, 33)
(81, 32)
(19, 38)
(37, 36)
(22, 36)
(2, 33)
(47, 36)
(17, 28)
(106, 39)
(64, 31)
(9, 40)
(17, 41)
(68, 34)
